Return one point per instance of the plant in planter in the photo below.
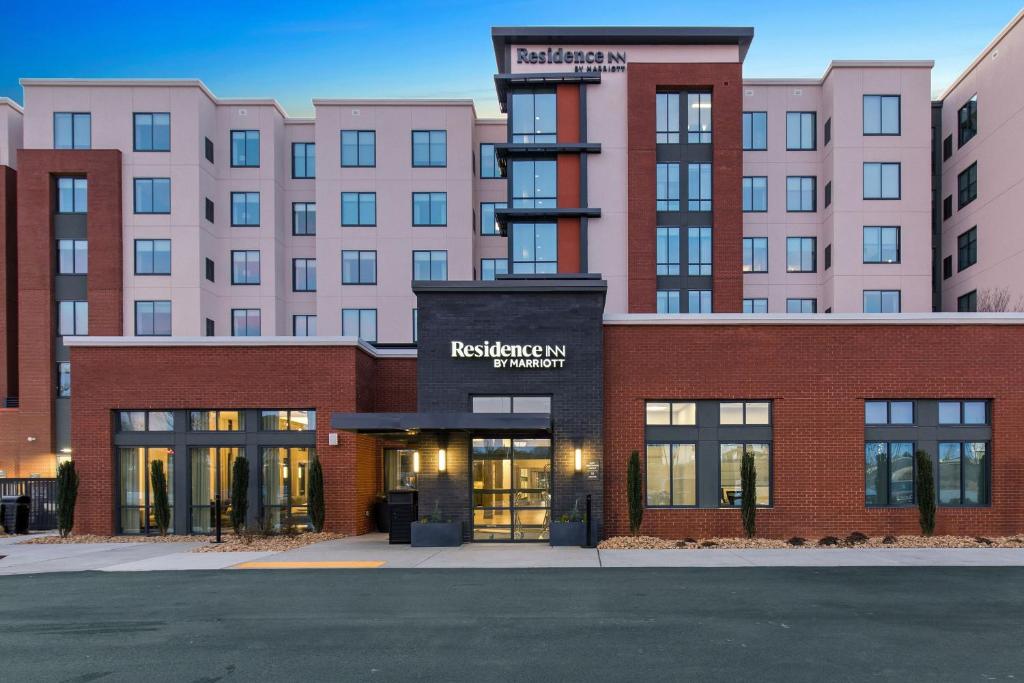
(925, 493)
(436, 531)
(569, 529)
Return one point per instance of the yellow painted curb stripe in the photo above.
(353, 564)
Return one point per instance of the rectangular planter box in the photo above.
(568, 533)
(436, 534)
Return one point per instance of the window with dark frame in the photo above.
(358, 267)
(881, 115)
(828, 256)
(245, 322)
(967, 185)
(429, 209)
(304, 274)
(72, 130)
(245, 267)
(430, 148)
(534, 183)
(152, 195)
(698, 251)
(755, 254)
(359, 322)
(490, 268)
(208, 149)
(698, 187)
(794, 305)
(889, 412)
(881, 244)
(882, 301)
(152, 318)
(698, 117)
(828, 194)
(755, 305)
(729, 467)
(488, 221)
(72, 195)
(245, 209)
(963, 473)
(63, 379)
(245, 148)
(209, 210)
(755, 194)
(667, 187)
(359, 209)
(668, 301)
(671, 475)
(947, 148)
(882, 180)
(489, 166)
(72, 318)
(304, 218)
(967, 249)
(947, 208)
(534, 116)
(534, 248)
(152, 257)
(152, 132)
(72, 257)
(827, 132)
(210, 270)
(755, 131)
(947, 267)
(430, 265)
(967, 303)
(967, 121)
(304, 325)
(888, 473)
(666, 118)
(801, 130)
(303, 160)
(801, 254)
(210, 328)
(358, 148)
(667, 250)
(801, 194)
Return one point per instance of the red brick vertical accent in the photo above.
(817, 378)
(567, 96)
(725, 82)
(567, 111)
(8, 283)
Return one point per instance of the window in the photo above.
(967, 249)
(668, 301)
(152, 195)
(72, 318)
(359, 322)
(72, 257)
(488, 221)
(881, 115)
(963, 473)
(671, 474)
(152, 257)
(534, 248)
(284, 494)
(755, 131)
(489, 166)
(801, 193)
(668, 187)
(730, 466)
(828, 131)
(671, 413)
(755, 193)
(415, 325)
(358, 267)
(287, 420)
(967, 303)
(947, 148)
(744, 413)
(245, 322)
(359, 208)
(303, 160)
(209, 210)
(63, 379)
(828, 194)
(399, 469)
(304, 274)
(534, 184)
(963, 412)
(490, 268)
(210, 471)
(699, 187)
(698, 117)
(828, 256)
(245, 209)
(755, 305)
(304, 325)
(888, 473)
(967, 186)
(210, 270)
(429, 148)
(358, 148)
(245, 148)
(72, 195)
(881, 301)
(152, 318)
(135, 488)
(512, 404)
(216, 421)
(430, 208)
(209, 328)
(755, 254)
(245, 267)
(430, 265)
(947, 267)
(967, 121)
(698, 251)
(881, 244)
(698, 301)
(303, 218)
(881, 180)
(801, 254)
(533, 117)
(888, 412)
(801, 130)
(801, 305)
(947, 208)
(152, 133)
(667, 242)
(208, 149)
(667, 117)
(144, 421)
(72, 130)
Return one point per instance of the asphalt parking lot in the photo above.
(942, 623)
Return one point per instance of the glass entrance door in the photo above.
(211, 470)
(511, 489)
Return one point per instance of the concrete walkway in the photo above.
(373, 550)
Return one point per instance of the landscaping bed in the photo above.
(854, 540)
(232, 543)
(92, 538)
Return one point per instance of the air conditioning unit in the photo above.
(243, 112)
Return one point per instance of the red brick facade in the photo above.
(725, 83)
(8, 283)
(817, 377)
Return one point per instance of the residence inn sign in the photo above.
(535, 356)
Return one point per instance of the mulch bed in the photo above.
(854, 540)
(232, 543)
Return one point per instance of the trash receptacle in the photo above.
(14, 515)
(402, 508)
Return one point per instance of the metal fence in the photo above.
(43, 513)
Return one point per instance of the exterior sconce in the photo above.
(579, 459)
(442, 459)
(416, 462)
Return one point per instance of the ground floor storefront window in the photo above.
(284, 486)
(136, 487)
(731, 466)
(963, 473)
(399, 469)
(211, 472)
(511, 489)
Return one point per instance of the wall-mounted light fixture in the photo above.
(416, 462)
(579, 459)
(442, 460)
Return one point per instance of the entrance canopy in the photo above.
(412, 423)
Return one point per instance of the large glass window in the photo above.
(358, 148)
(72, 130)
(72, 318)
(881, 301)
(668, 250)
(245, 322)
(967, 303)
(967, 249)
(668, 301)
(881, 244)
(679, 413)
(698, 301)
(358, 267)
(534, 248)
(152, 257)
(801, 130)
(245, 209)
(63, 379)
(488, 221)
(889, 412)
(430, 148)
(144, 421)
(72, 195)
(755, 305)
(699, 187)
(801, 193)
(967, 121)
(755, 254)
(135, 487)
(216, 420)
(210, 474)
(303, 218)
(755, 130)
(288, 420)
(359, 322)
(152, 195)
(667, 117)
(152, 132)
(430, 208)
(303, 160)
(430, 265)
(489, 166)
(967, 185)
(698, 117)
(152, 318)
(72, 257)
(963, 412)
(755, 194)
(698, 250)
(245, 267)
(801, 305)
(801, 254)
(490, 268)
(304, 325)
(881, 115)
(533, 117)
(534, 184)
(730, 467)
(744, 413)
(512, 404)
(881, 180)
(245, 148)
(511, 489)
(668, 187)
(889, 473)
(399, 470)
(284, 486)
(359, 208)
(963, 473)
(304, 274)
(671, 474)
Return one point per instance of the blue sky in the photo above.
(295, 51)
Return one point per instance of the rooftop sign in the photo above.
(580, 60)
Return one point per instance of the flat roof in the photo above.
(126, 341)
(503, 36)
(575, 282)
(691, 319)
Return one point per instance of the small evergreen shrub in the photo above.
(634, 492)
(161, 504)
(889, 540)
(925, 488)
(67, 495)
(797, 540)
(828, 541)
(748, 486)
(856, 538)
(316, 495)
(239, 493)
(708, 544)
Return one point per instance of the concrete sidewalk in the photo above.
(373, 550)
